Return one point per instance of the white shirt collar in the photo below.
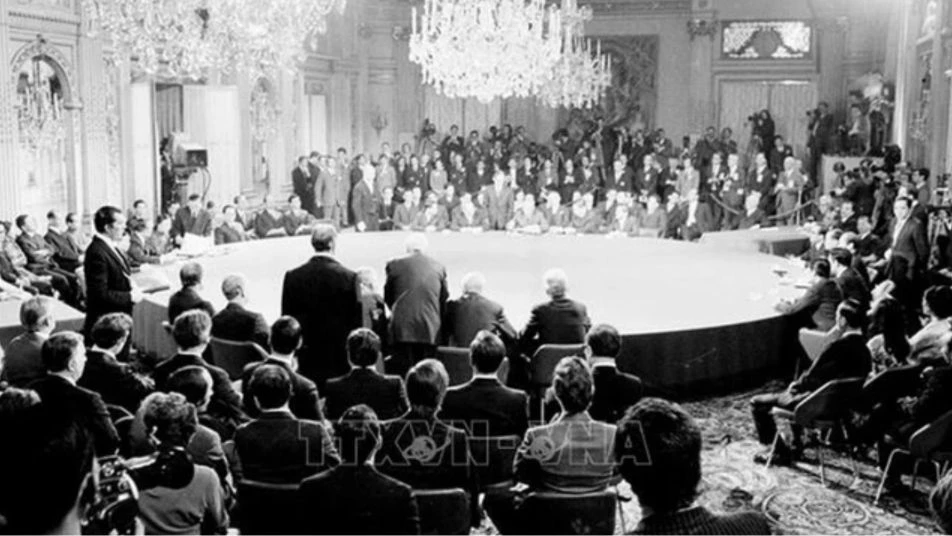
(485, 376)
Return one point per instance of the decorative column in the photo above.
(93, 188)
(9, 176)
(940, 95)
(702, 29)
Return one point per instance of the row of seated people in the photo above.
(188, 414)
(43, 264)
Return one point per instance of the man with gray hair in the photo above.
(23, 363)
(416, 293)
(187, 297)
(558, 321)
(473, 312)
(235, 322)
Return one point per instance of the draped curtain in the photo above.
(168, 109)
(212, 121)
(738, 101)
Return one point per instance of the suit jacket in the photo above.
(303, 184)
(699, 520)
(364, 206)
(458, 219)
(305, 402)
(186, 299)
(66, 253)
(852, 285)
(235, 323)
(439, 220)
(499, 206)
(87, 407)
(324, 296)
(384, 394)
(277, 447)
(138, 253)
(332, 189)
(573, 454)
(933, 399)
(38, 252)
(762, 182)
(416, 293)
(23, 362)
(108, 288)
(615, 392)
(559, 321)
(469, 314)
(115, 382)
(622, 182)
(846, 357)
(703, 217)
(485, 407)
(820, 302)
(356, 500)
(267, 224)
(226, 234)
(911, 244)
(225, 403)
(197, 224)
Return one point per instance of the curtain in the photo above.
(168, 109)
(738, 101)
(442, 111)
(212, 121)
(789, 102)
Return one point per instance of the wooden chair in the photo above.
(233, 355)
(932, 443)
(443, 511)
(827, 409)
(561, 513)
(542, 368)
(266, 508)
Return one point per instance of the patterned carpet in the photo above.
(792, 497)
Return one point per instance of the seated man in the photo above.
(615, 391)
(297, 221)
(528, 219)
(405, 214)
(232, 229)
(928, 344)
(285, 341)
(363, 384)
(654, 220)
(483, 406)
(433, 217)
(23, 362)
(472, 312)
(659, 448)
(115, 382)
(235, 322)
(468, 217)
(191, 219)
(557, 215)
(582, 219)
(816, 309)
(852, 286)
(623, 222)
(847, 357)
(558, 321)
(39, 256)
(753, 217)
(187, 298)
(354, 497)
(277, 447)
(66, 253)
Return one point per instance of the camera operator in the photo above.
(182, 498)
(762, 126)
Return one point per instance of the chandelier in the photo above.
(486, 48)
(579, 78)
(188, 38)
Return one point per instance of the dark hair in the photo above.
(852, 312)
(890, 321)
(924, 171)
(270, 386)
(573, 384)
(658, 446)
(137, 225)
(110, 329)
(363, 347)
(314, 154)
(191, 274)
(285, 335)
(192, 382)
(426, 385)
(842, 256)
(358, 434)
(939, 300)
(603, 340)
(905, 199)
(58, 350)
(194, 197)
(70, 217)
(21, 220)
(821, 267)
(486, 352)
(171, 416)
(292, 197)
(191, 329)
(51, 215)
(323, 237)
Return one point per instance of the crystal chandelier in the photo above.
(486, 48)
(188, 38)
(579, 78)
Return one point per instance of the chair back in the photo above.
(892, 384)
(456, 361)
(543, 362)
(831, 402)
(933, 437)
(117, 412)
(232, 356)
(266, 508)
(562, 513)
(124, 431)
(492, 458)
(443, 511)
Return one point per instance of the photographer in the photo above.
(186, 498)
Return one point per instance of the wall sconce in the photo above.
(698, 27)
(379, 121)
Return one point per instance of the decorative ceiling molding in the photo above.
(638, 7)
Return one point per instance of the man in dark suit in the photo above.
(187, 297)
(821, 131)
(285, 342)
(235, 322)
(364, 385)
(472, 313)
(363, 204)
(191, 219)
(23, 362)
(324, 297)
(66, 253)
(416, 293)
(39, 255)
(115, 382)
(303, 184)
(907, 239)
(846, 357)
(816, 309)
(277, 447)
(192, 332)
(615, 391)
(483, 406)
(762, 179)
(850, 282)
(699, 218)
(659, 447)
(65, 358)
(109, 288)
(558, 321)
(354, 497)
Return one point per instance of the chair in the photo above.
(117, 413)
(492, 458)
(825, 410)
(456, 361)
(266, 508)
(892, 384)
(542, 368)
(562, 513)
(443, 511)
(124, 431)
(932, 443)
(233, 355)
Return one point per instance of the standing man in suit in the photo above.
(332, 191)
(762, 180)
(821, 130)
(235, 322)
(363, 384)
(109, 286)
(615, 391)
(908, 241)
(851, 284)
(191, 219)
(364, 203)
(303, 184)
(324, 296)
(23, 362)
(416, 293)
(472, 312)
(64, 357)
(499, 202)
(115, 382)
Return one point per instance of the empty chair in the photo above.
(562, 513)
(931, 443)
(443, 511)
(266, 508)
(542, 367)
(232, 356)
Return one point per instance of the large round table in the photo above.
(695, 318)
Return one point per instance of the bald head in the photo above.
(416, 243)
(233, 286)
(473, 283)
(556, 282)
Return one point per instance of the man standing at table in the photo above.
(109, 287)
(324, 297)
